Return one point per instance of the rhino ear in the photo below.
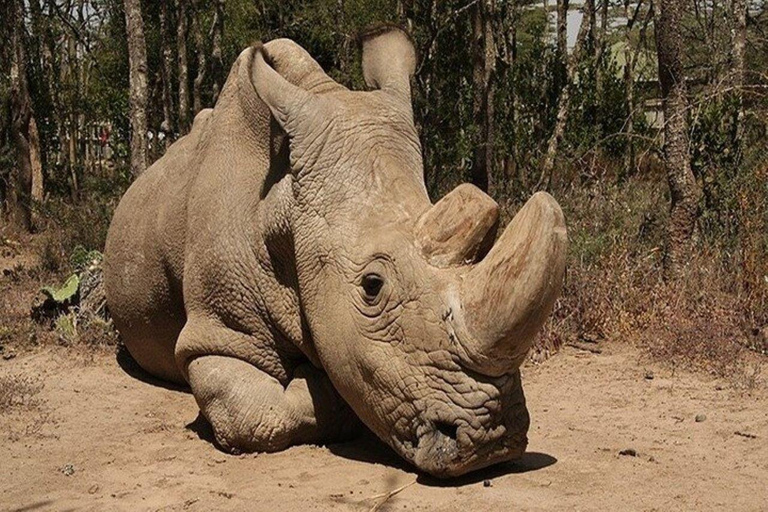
(389, 60)
(285, 100)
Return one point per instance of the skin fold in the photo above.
(285, 261)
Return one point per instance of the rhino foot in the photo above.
(250, 411)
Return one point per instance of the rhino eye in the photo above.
(372, 284)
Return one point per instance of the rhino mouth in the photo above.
(450, 444)
(442, 452)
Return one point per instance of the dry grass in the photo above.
(712, 319)
(19, 392)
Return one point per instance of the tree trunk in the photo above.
(739, 37)
(137, 57)
(684, 190)
(181, 42)
(21, 115)
(44, 69)
(629, 90)
(36, 163)
(167, 72)
(405, 14)
(71, 73)
(600, 46)
(217, 62)
(562, 41)
(484, 67)
(202, 64)
(632, 52)
(564, 102)
(56, 73)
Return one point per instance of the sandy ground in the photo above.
(96, 437)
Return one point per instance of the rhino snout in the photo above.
(450, 440)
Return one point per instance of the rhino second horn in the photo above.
(506, 298)
(460, 228)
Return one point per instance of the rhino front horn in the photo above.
(506, 298)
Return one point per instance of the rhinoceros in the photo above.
(284, 260)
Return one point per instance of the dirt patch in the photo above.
(116, 442)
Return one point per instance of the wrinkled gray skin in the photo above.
(284, 259)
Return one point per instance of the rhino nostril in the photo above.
(447, 429)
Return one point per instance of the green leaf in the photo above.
(66, 327)
(66, 292)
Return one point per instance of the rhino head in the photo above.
(420, 320)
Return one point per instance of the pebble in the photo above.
(486, 483)
(68, 469)
(649, 375)
(629, 451)
(700, 417)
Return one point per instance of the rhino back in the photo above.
(144, 256)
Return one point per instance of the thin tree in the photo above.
(181, 43)
(684, 190)
(217, 61)
(739, 45)
(564, 102)
(483, 72)
(166, 69)
(137, 58)
(21, 119)
(631, 57)
(601, 43)
(562, 40)
(202, 62)
(36, 162)
(42, 61)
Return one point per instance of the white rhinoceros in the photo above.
(299, 283)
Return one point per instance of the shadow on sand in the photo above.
(368, 448)
(35, 506)
(203, 429)
(132, 368)
(531, 461)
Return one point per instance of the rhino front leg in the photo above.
(252, 411)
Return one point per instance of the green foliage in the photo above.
(65, 326)
(81, 258)
(64, 293)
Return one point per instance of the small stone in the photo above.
(68, 470)
(9, 356)
(93, 489)
(700, 417)
(649, 375)
(486, 483)
(631, 452)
